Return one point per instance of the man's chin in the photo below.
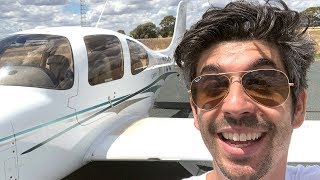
(241, 170)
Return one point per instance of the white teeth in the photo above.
(258, 135)
(236, 137)
(248, 136)
(225, 135)
(241, 136)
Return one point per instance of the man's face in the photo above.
(258, 136)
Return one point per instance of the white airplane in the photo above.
(73, 95)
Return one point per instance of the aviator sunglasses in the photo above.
(268, 87)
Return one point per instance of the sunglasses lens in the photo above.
(268, 87)
(208, 91)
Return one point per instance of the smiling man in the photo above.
(246, 66)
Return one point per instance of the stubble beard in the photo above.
(265, 166)
(261, 169)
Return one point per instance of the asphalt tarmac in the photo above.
(313, 100)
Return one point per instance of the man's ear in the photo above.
(300, 109)
(195, 115)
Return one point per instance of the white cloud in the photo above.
(43, 2)
(300, 5)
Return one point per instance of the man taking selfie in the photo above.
(245, 66)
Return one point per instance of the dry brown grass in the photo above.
(156, 43)
(162, 43)
(315, 34)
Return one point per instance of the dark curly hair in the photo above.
(273, 23)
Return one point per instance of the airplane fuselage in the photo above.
(67, 87)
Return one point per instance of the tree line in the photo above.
(166, 26)
(150, 30)
(313, 13)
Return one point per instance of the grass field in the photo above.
(156, 43)
(315, 34)
(162, 43)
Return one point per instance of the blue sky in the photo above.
(119, 14)
(72, 7)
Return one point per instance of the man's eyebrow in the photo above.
(262, 62)
(210, 68)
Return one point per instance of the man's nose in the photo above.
(237, 103)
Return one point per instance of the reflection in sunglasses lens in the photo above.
(210, 90)
(268, 87)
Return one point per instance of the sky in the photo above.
(118, 14)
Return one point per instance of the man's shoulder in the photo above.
(303, 172)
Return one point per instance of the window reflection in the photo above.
(139, 57)
(34, 60)
(105, 59)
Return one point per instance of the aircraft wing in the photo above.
(304, 146)
(153, 139)
(176, 139)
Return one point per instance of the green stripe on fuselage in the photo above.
(149, 88)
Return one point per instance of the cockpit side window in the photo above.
(105, 58)
(139, 57)
(36, 60)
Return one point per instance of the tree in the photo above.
(167, 26)
(121, 31)
(313, 14)
(146, 30)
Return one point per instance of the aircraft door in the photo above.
(98, 85)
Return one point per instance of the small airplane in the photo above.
(73, 95)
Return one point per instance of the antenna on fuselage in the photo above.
(105, 4)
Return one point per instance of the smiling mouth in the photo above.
(241, 140)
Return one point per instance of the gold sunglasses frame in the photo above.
(290, 84)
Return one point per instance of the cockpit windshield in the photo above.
(36, 60)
